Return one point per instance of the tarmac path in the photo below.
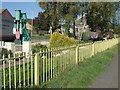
(109, 78)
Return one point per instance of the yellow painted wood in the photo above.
(43, 66)
(4, 71)
(36, 69)
(24, 69)
(53, 63)
(46, 51)
(28, 68)
(49, 65)
(93, 49)
(40, 71)
(31, 69)
(14, 71)
(77, 54)
(9, 71)
(19, 73)
(51, 60)
(58, 59)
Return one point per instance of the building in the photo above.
(81, 27)
(28, 26)
(6, 30)
(6, 26)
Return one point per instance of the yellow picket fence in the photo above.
(38, 68)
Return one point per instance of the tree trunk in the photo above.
(74, 29)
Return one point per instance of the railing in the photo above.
(38, 68)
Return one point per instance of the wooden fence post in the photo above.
(4, 83)
(93, 49)
(9, 71)
(14, 71)
(77, 51)
(36, 67)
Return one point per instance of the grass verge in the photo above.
(41, 37)
(82, 75)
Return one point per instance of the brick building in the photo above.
(6, 26)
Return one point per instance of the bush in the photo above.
(6, 52)
(61, 40)
(41, 34)
(86, 36)
(36, 48)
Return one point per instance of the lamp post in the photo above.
(32, 24)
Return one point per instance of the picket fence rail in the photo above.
(38, 68)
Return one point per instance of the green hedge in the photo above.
(61, 40)
(6, 52)
(36, 48)
(86, 36)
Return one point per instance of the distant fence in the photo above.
(41, 67)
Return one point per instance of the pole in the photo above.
(32, 24)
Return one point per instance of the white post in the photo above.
(26, 47)
(10, 46)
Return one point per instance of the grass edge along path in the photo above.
(41, 37)
(82, 75)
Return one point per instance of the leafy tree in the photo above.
(44, 22)
(51, 12)
(101, 15)
(61, 13)
(68, 14)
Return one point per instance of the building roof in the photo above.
(29, 21)
(1, 10)
(80, 20)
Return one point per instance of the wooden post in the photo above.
(9, 71)
(19, 72)
(93, 49)
(4, 70)
(46, 64)
(77, 54)
(49, 61)
(24, 57)
(31, 69)
(51, 57)
(14, 71)
(43, 66)
(28, 57)
(36, 71)
(53, 62)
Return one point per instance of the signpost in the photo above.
(22, 36)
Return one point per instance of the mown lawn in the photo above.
(82, 75)
(41, 37)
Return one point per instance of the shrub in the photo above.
(61, 40)
(37, 47)
(41, 34)
(86, 36)
(6, 52)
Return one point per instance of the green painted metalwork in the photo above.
(20, 26)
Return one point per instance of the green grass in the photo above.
(82, 75)
(41, 37)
